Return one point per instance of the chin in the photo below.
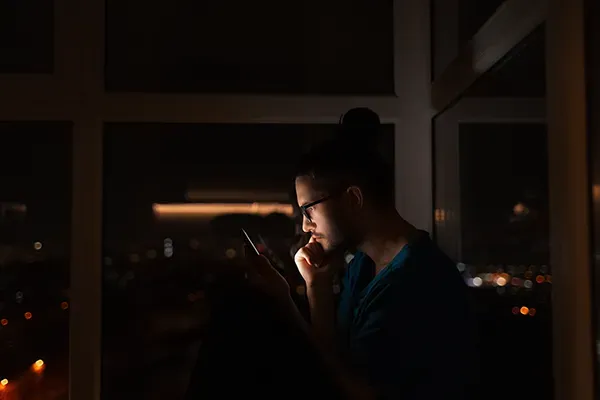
(332, 247)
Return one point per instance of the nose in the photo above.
(307, 226)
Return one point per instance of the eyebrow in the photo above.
(312, 201)
(304, 204)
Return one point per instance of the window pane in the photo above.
(502, 218)
(522, 73)
(26, 36)
(504, 193)
(161, 262)
(266, 46)
(35, 214)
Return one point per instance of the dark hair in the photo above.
(360, 124)
(338, 164)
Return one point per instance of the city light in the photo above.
(28, 315)
(524, 310)
(532, 312)
(38, 366)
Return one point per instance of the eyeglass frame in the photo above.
(304, 208)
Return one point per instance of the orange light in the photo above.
(4, 382)
(38, 366)
(532, 312)
(520, 209)
(540, 279)
(440, 215)
(524, 310)
(28, 315)
(64, 305)
(213, 209)
(3, 322)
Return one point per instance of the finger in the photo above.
(306, 255)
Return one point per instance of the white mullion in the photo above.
(82, 64)
(132, 107)
(15, 85)
(413, 158)
(86, 255)
(42, 106)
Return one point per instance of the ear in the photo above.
(355, 197)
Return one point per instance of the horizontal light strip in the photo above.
(214, 209)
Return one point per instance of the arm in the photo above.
(322, 314)
(351, 387)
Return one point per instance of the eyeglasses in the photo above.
(305, 207)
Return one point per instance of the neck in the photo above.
(387, 233)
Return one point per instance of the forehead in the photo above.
(306, 190)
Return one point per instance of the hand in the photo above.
(265, 278)
(312, 264)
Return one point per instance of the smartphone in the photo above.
(249, 242)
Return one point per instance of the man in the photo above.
(404, 326)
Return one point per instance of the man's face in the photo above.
(330, 221)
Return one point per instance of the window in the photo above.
(35, 215)
(26, 36)
(310, 47)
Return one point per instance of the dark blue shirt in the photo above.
(409, 329)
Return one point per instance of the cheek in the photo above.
(332, 227)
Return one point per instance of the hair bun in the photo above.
(360, 127)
